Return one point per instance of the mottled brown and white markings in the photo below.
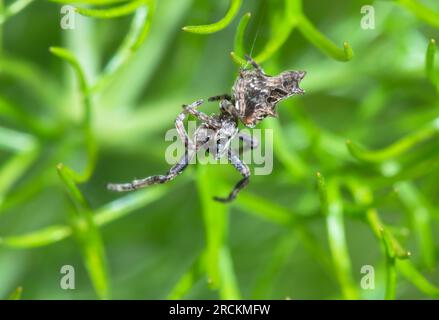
(254, 97)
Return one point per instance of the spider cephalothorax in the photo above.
(254, 97)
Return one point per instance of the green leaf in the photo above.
(429, 61)
(139, 30)
(397, 148)
(320, 41)
(240, 33)
(421, 11)
(89, 137)
(189, 279)
(88, 236)
(409, 271)
(16, 295)
(218, 261)
(13, 9)
(420, 216)
(112, 211)
(332, 208)
(110, 13)
(235, 5)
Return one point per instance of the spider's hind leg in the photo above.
(245, 172)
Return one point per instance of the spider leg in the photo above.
(245, 172)
(254, 64)
(220, 97)
(173, 172)
(191, 109)
(230, 108)
(158, 179)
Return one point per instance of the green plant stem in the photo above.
(218, 260)
(110, 13)
(189, 279)
(332, 208)
(235, 5)
(320, 41)
(421, 11)
(13, 9)
(89, 137)
(429, 60)
(139, 30)
(88, 236)
(16, 295)
(421, 219)
(398, 147)
(391, 248)
(240, 33)
(113, 211)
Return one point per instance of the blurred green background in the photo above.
(293, 234)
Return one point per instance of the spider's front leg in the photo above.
(245, 172)
(254, 64)
(190, 150)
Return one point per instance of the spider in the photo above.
(254, 97)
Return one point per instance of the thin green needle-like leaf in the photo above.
(86, 121)
(218, 264)
(429, 60)
(16, 295)
(229, 289)
(266, 209)
(320, 41)
(88, 236)
(108, 213)
(240, 34)
(398, 147)
(110, 13)
(409, 271)
(13, 169)
(90, 2)
(13, 9)
(235, 5)
(280, 31)
(420, 217)
(421, 11)
(333, 210)
(188, 280)
(391, 248)
(139, 30)
(267, 278)
(391, 275)
(27, 151)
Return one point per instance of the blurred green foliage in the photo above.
(356, 174)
